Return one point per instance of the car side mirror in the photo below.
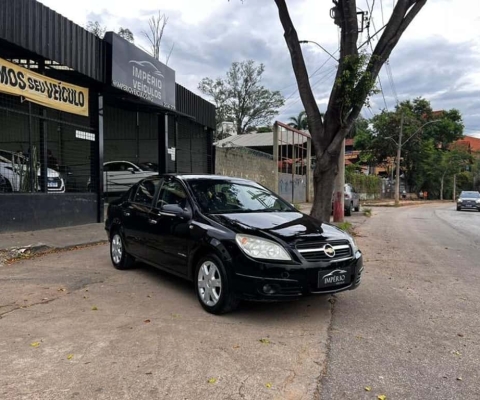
(174, 210)
(131, 170)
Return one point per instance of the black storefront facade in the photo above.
(86, 102)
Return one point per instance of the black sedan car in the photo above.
(468, 200)
(232, 237)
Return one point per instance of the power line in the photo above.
(310, 77)
(387, 63)
(327, 75)
(390, 78)
(381, 7)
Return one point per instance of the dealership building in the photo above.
(82, 118)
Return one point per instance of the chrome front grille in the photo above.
(315, 251)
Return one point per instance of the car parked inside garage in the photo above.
(14, 169)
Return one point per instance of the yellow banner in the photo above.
(42, 90)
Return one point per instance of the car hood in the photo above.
(288, 226)
(469, 198)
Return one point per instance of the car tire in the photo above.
(357, 208)
(6, 186)
(348, 211)
(215, 297)
(118, 254)
(459, 208)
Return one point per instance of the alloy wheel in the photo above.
(209, 283)
(117, 248)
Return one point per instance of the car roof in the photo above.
(117, 161)
(189, 177)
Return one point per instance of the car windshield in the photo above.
(471, 195)
(226, 197)
(148, 166)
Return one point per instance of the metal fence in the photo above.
(44, 150)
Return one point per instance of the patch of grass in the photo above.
(296, 205)
(367, 212)
(345, 226)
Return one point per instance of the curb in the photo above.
(26, 252)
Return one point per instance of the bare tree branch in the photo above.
(156, 26)
(169, 54)
(306, 94)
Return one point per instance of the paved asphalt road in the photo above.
(413, 329)
(409, 332)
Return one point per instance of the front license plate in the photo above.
(52, 184)
(337, 277)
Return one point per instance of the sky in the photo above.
(437, 58)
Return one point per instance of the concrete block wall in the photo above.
(241, 162)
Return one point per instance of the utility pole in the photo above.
(399, 154)
(454, 187)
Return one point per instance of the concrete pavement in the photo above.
(73, 327)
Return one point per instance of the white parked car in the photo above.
(13, 168)
(119, 176)
(352, 199)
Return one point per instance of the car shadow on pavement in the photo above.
(255, 312)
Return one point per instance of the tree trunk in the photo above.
(326, 170)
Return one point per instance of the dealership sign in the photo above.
(42, 90)
(137, 73)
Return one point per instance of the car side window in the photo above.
(172, 193)
(146, 192)
(114, 167)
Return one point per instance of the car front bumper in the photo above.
(278, 282)
(469, 205)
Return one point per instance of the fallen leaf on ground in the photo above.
(35, 344)
(457, 353)
(175, 315)
(382, 397)
(61, 289)
(459, 379)
(237, 346)
(148, 295)
(148, 373)
(368, 388)
(70, 356)
(268, 385)
(460, 334)
(264, 341)
(94, 308)
(147, 321)
(212, 380)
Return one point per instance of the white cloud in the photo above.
(210, 34)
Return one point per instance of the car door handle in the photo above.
(153, 221)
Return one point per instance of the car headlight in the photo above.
(459, 200)
(478, 201)
(353, 243)
(261, 248)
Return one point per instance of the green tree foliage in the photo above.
(428, 158)
(241, 98)
(300, 121)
